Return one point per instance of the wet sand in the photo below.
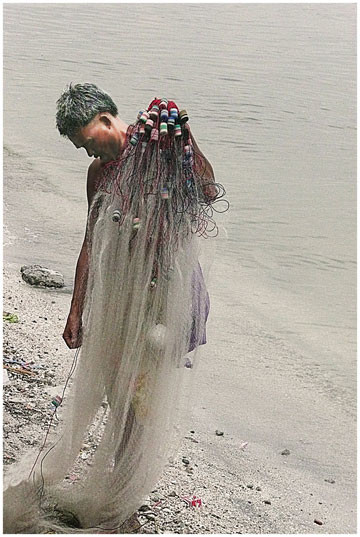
(274, 469)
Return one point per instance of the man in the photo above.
(89, 118)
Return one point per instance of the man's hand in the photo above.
(73, 331)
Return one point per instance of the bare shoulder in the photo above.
(93, 176)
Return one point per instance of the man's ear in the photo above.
(105, 120)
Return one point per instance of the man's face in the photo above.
(98, 138)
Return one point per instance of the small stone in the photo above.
(144, 508)
(192, 439)
(317, 521)
(332, 481)
(219, 433)
(192, 432)
(267, 502)
(258, 488)
(150, 516)
(185, 460)
(250, 486)
(285, 452)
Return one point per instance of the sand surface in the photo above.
(243, 390)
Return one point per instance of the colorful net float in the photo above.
(164, 192)
(163, 104)
(116, 216)
(183, 115)
(171, 124)
(136, 223)
(177, 132)
(134, 139)
(163, 129)
(188, 151)
(164, 115)
(154, 113)
(144, 117)
(56, 402)
(154, 135)
(149, 125)
(174, 113)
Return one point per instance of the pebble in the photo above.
(150, 516)
(317, 521)
(219, 433)
(185, 460)
(250, 486)
(285, 452)
(258, 488)
(144, 507)
(332, 481)
(268, 502)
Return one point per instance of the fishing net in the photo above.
(145, 310)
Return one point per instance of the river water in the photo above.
(271, 94)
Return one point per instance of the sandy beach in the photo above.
(270, 471)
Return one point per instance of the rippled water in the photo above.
(270, 90)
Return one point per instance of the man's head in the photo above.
(88, 117)
(79, 104)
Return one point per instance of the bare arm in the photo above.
(73, 329)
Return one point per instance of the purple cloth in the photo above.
(200, 309)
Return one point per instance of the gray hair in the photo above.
(79, 104)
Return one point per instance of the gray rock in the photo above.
(41, 276)
(285, 452)
(219, 433)
(143, 508)
(150, 516)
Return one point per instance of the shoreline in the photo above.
(245, 484)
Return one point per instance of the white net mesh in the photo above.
(146, 307)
